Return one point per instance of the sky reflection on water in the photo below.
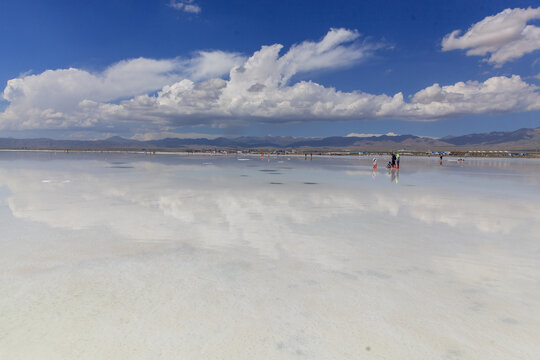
(105, 255)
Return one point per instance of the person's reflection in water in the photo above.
(374, 172)
(394, 175)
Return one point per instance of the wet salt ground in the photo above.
(167, 256)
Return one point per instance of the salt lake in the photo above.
(118, 255)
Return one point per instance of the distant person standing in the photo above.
(374, 161)
(397, 159)
(393, 160)
(440, 159)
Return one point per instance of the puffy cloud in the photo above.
(185, 5)
(336, 49)
(209, 64)
(498, 94)
(62, 98)
(258, 97)
(505, 36)
(159, 95)
(64, 88)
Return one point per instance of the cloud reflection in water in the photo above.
(198, 261)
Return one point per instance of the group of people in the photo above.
(394, 163)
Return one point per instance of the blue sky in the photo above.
(151, 69)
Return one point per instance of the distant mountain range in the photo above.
(522, 140)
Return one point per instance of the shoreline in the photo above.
(346, 153)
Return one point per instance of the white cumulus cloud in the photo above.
(156, 96)
(261, 97)
(209, 64)
(505, 36)
(499, 94)
(56, 98)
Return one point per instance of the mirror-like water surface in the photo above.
(110, 256)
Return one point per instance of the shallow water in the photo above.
(109, 256)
